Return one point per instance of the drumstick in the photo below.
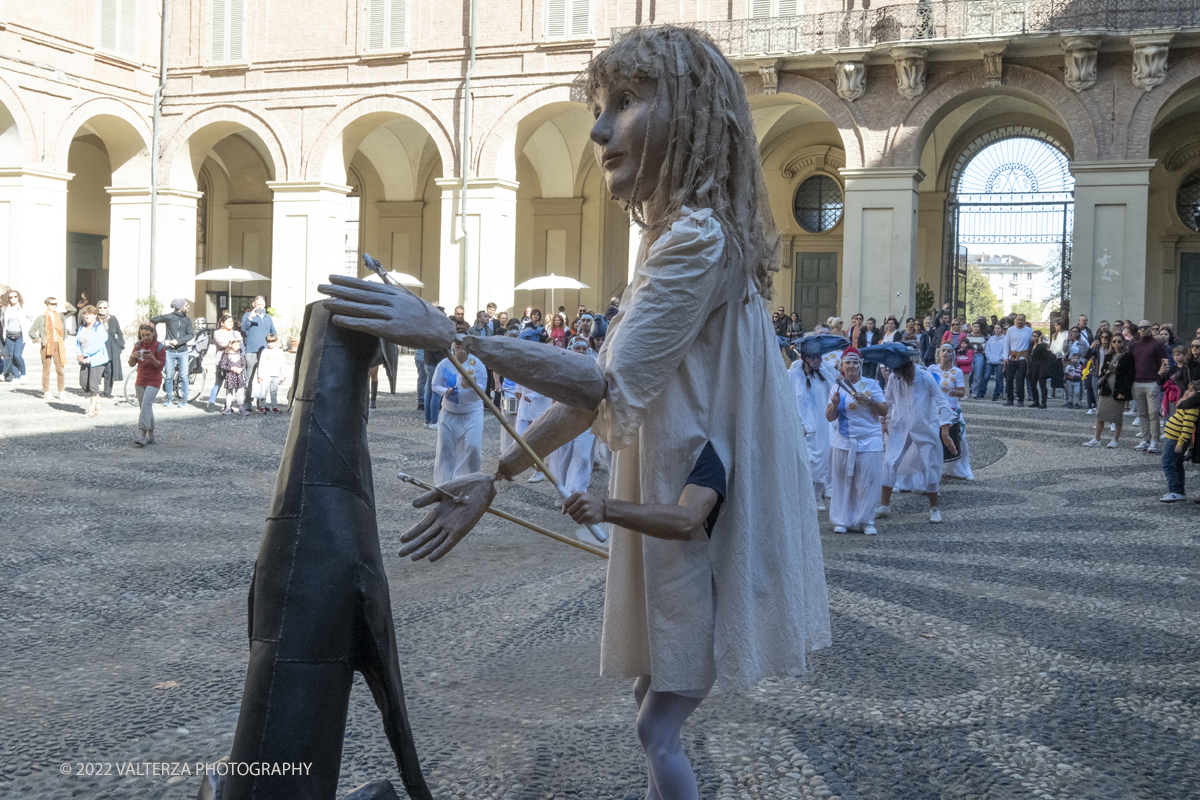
(596, 531)
(502, 515)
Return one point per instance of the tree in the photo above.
(925, 301)
(1054, 264)
(1032, 310)
(981, 300)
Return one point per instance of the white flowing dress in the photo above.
(912, 460)
(812, 393)
(750, 602)
(954, 379)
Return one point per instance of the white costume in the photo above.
(954, 379)
(913, 460)
(751, 601)
(812, 395)
(856, 458)
(572, 463)
(460, 423)
(531, 406)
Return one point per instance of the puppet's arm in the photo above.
(462, 501)
(570, 378)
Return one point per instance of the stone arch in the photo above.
(124, 132)
(497, 156)
(1150, 104)
(188, 145)
(908, 139)
(839, 112)
(321, 158)
(18, 144)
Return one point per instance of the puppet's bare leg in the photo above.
(659, 722)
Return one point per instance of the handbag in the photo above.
(259, 392)
(956, 432)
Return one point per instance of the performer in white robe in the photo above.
(572, 463)
(954, 386)
(811, 381)
(460, 422)
(530, 406)
(918, 423)
(856, 457)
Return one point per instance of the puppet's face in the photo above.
(623, 110)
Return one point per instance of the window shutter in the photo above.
(128, 28)
(217, 31)
(108, 25)
(397, 33)
(581, 18)
(556, 19)
(375, 24)
(236, 29)
(227, 31)
(760, 8)
(787, 8)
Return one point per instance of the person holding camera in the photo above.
(148, 356)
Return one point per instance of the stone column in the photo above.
(483, 271)
(129, 248)
(308, 230)
(880, 241)
(1108, 256)
(33, 233)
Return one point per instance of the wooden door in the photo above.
(1189, 296)
(815, 297)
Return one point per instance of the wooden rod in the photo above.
(502, 515)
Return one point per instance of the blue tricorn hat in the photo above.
(892, 355)
(818, 344)
(531, 334)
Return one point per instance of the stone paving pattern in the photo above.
(1041, 643)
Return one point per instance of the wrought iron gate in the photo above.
(995, 219)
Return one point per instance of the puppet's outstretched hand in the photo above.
(460, 504)
(389, 312)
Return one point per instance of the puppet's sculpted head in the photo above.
(673, 128)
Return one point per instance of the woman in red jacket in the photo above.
(148, 356)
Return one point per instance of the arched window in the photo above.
(817, 205)
(1187, 201)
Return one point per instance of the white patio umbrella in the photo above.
(402, 278)
(550, 282)
(231, 275)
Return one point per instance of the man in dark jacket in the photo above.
(178, 333)
(116, 343)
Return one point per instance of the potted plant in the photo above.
(290, 332)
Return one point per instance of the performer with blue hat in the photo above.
(917, 409)
(857, 405)
(811, 381)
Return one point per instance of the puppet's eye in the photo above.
(626, 101)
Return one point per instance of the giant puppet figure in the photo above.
(708, 580)
(319, 603)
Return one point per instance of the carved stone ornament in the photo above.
(1149, 60)
(851, 79)
(910, 70)
(993, 63)
(816, 158)
(768, 70)
(1080, 70)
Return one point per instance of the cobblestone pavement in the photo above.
(1041, 643)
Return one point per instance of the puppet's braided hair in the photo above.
(712, 158)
